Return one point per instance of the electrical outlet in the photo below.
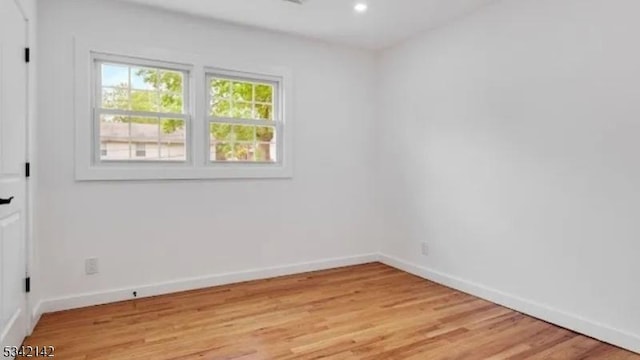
(91, 266)
(425, 249)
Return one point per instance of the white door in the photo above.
(13, 119)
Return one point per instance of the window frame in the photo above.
(278, 117)
(198, 64)
(135, 161)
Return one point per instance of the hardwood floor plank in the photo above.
(370, 311)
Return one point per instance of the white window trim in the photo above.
(197, 165)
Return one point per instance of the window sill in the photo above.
(219, 171)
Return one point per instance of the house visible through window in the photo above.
(141, 150)
(141, 112)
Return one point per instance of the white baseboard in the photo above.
(561, 318)
(565, 319)
(12, 330)
(36, 314)
(110, 296)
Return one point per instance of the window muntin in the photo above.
(243, 119)
(141, 106)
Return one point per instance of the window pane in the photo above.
(171, 103)
(264, 112)
(265, 133)
(171, 81)
(221, 151)
(221, 108)
(144, 129)
(220, 89)
(264, 93)
(144, 78)
(145, 133)
(115, 98)
(244, 133)
(142, 100)
(266, 152)
(242, 91)
(221, 132)
(242, 111)
(243, 152)
(173, 140)
(115, 75)
(114, 137)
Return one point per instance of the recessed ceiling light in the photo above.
(360, 7)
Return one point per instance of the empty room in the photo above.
(319, 179)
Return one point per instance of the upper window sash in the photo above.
(236, 105)
(127, 80)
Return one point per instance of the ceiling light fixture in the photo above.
(361, 7)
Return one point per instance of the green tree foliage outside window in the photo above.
(162, 91)
(241, 100)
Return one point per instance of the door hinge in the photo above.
(27, 55)
(27, 169)
(27, 284)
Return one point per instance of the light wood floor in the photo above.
(363, 312)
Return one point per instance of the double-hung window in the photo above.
(244, 118)
(141, 111)
(152, 113)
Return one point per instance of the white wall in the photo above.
(154, 232)
(511, 145)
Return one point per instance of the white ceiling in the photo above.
(385, 23)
